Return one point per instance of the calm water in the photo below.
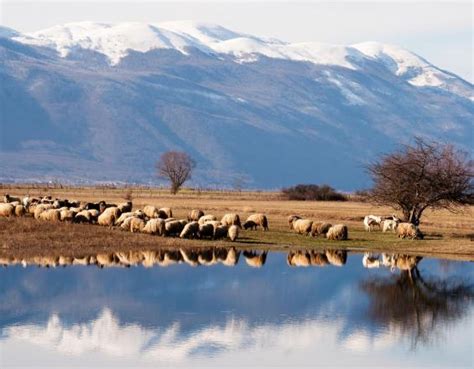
(214, 316)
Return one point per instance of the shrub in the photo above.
(312, 192)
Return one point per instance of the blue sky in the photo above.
(440, 31)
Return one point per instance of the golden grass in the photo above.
(448, 235)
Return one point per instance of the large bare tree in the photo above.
(421, 176)
(176, 166)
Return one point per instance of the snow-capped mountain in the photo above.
(102, 101)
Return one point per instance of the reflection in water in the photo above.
(416, 308)
(218, 316)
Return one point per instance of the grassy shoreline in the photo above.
(447, 235)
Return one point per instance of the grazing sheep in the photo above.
(165, 213)
(137, 225)
(20, 210)
(108, 217)
(84, 216)
(302, 226)
(41, 208)
(52, 215)
(233, 232)
(389, 225)
(125, 225)
(6, 210)
(291, 219)
(250, 224)
(125, 207)
(173, 228)
(231, 219)
(337, 232)
(220, 232)
(195, 215)
(254, 259)
(260, 220)
(67, 215)
(371, 221)
(207, 218)
(123, 216)
(336, 257)
(206, 230)
(409, 230)
(190, 230)
(151, 211)
(7, 198)
(155, 226)
(320, 228)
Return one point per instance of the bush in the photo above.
(313, 192)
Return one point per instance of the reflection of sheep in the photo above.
(155, 226)
(6, 210)
(298, 258)
(255, 260)
(190, 257)
(233, 232)
(231, 219)
(259, 220)
(207, 218)
(190, 230)
(337, 257)
(409, 230)
(302, 226)
(228, 257)
(337, 232)
(320, 228)
(207, 257)
(291, 219)
(195, 215)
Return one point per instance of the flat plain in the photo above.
(447, 235)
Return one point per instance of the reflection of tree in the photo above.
(418, 308)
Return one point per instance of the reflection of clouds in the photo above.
(106, 335)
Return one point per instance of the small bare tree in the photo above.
(175, 166)
(420, 176)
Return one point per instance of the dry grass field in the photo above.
(447, 235)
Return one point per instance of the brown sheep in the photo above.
(195, 215)
(259, 220)
(137, 225)
(6, 210)
(337, 232)
(320, 228)
(409, 230)
(231, 219)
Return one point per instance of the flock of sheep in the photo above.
(394, 224)
(160, 221)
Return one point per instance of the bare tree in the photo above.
(175, 166)
(420, 176)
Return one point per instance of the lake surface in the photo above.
(240, 316)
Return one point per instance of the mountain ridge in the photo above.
(269, 121)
